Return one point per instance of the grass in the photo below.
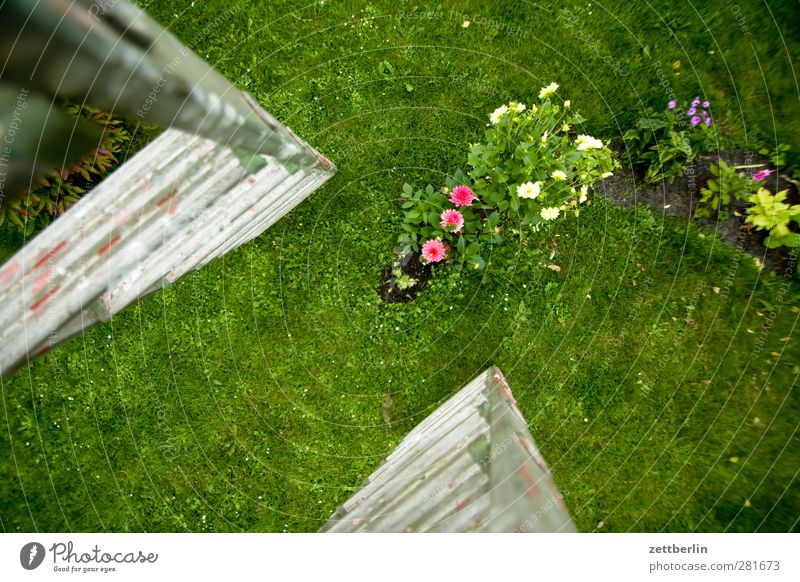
(249, 395)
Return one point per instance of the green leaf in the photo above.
(476, 262)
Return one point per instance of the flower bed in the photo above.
(530, 171)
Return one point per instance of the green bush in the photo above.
(527, 171)
(729, 184)
(668, 141)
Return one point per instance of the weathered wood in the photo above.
(111, 54)
(470, 466)
(181, 202)
(230, 171)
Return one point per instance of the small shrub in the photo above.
(729, 184)
(769, 212)
(529, 170)
(777, 156)
(670, 140)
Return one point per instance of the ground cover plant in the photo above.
(656, 364)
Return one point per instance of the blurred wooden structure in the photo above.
(472, 465)
(228, 172)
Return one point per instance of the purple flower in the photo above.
(708, 122)
(706, 104)
(696, 101)
(695, 120)
(672, 104)
(761, 174)
(692, 111)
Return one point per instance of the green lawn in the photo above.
(249, 395)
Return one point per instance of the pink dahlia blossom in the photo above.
(433, 251)
(452, 218)
(761, 174)
(462, 195)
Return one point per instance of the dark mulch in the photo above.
(680, 198)
(410, 265)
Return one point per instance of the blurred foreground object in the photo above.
(226, 171)
(115, 57)
(472, 465)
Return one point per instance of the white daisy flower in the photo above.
(547, 91)
(529, 190)
(587, 142)
(497, 114)
(558, 175)
(550, 213)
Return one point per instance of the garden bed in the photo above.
(681, 196)
(401, 282)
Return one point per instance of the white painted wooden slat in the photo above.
(178, 204)
(470, 466)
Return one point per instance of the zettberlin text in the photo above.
(673, 549)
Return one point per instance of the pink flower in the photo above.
(695, 120)
(433, 251)
(761, 174)
(452, 218)
(672, 104)
(462, 196)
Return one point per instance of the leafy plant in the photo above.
(529, 170)
(52, 195)
(777, 156)
(769, 212)
(670, 140)
(729, 184)
(423, 222)
(405, 282)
